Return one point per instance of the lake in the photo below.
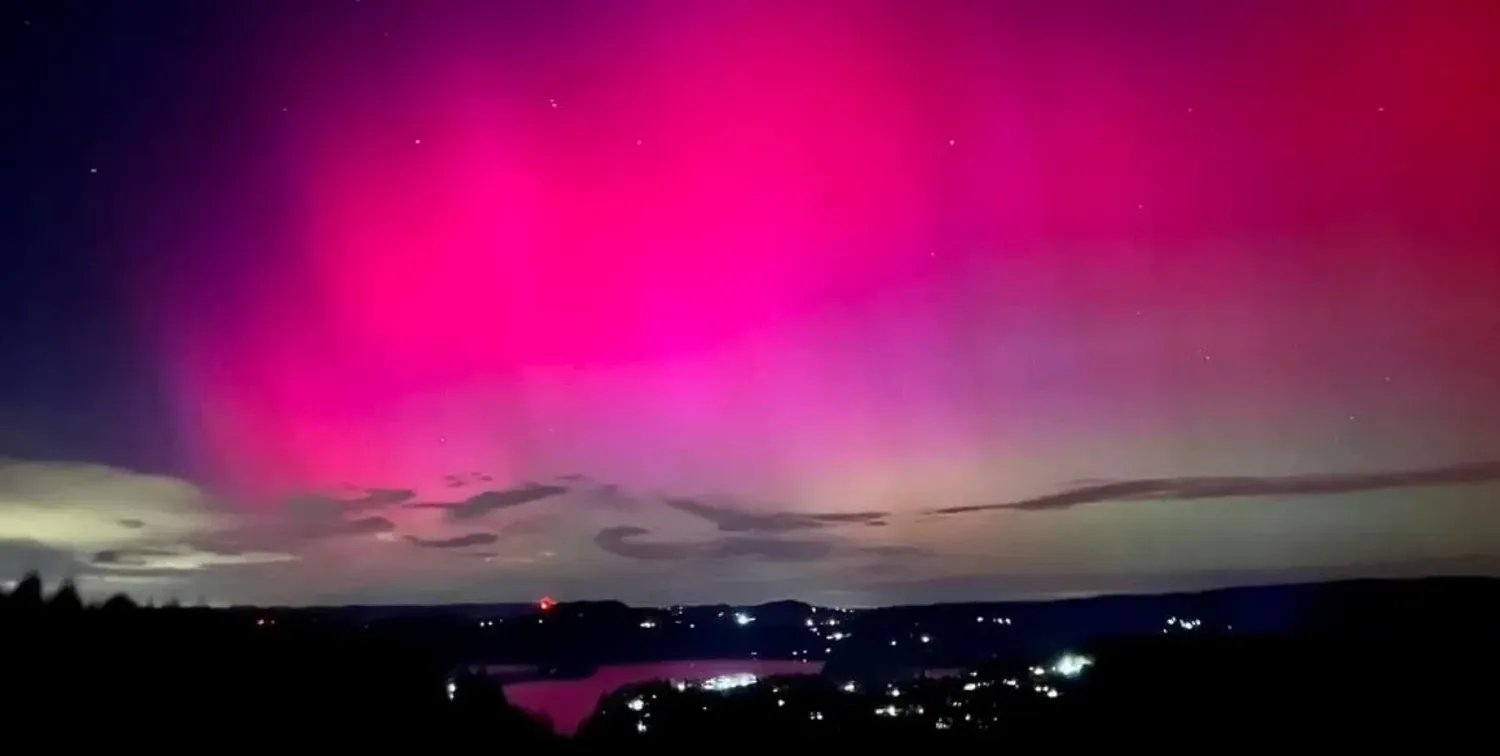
(567, 703)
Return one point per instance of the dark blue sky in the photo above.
(89, 84)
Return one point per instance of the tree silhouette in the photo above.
(118, 603)
(66, 598)
(27, 597)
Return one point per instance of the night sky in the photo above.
(854, 301)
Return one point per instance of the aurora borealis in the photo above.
(683, 301)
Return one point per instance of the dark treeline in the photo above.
(226, 675)
(1373, 662)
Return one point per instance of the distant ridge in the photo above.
(792, 607)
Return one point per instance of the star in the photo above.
(418, 141)
(93, 170)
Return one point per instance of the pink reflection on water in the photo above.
(568, 702)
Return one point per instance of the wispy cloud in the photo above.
(1191, 488)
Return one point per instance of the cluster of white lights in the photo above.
(996, 620)
(816, 627)
(1183, 624)
(729, 682)
(1068, 665)
(742, 618)
(1071, 665)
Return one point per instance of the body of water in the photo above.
(567, 703)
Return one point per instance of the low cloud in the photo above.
(457, 542)
(84, 507)
(97, 521)
(180, 558)
(459, 480)
(485, 502)
(378, 498)
(366, 526)
(1194, 488)
(894, 551)
(731, 519)
(625, 541)
(530, 527)
(20, 556)
(610, 498)
(314, 517)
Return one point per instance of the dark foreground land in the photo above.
(1360, 663)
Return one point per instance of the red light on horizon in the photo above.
(546, 603)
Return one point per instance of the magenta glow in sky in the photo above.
(813, 259)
